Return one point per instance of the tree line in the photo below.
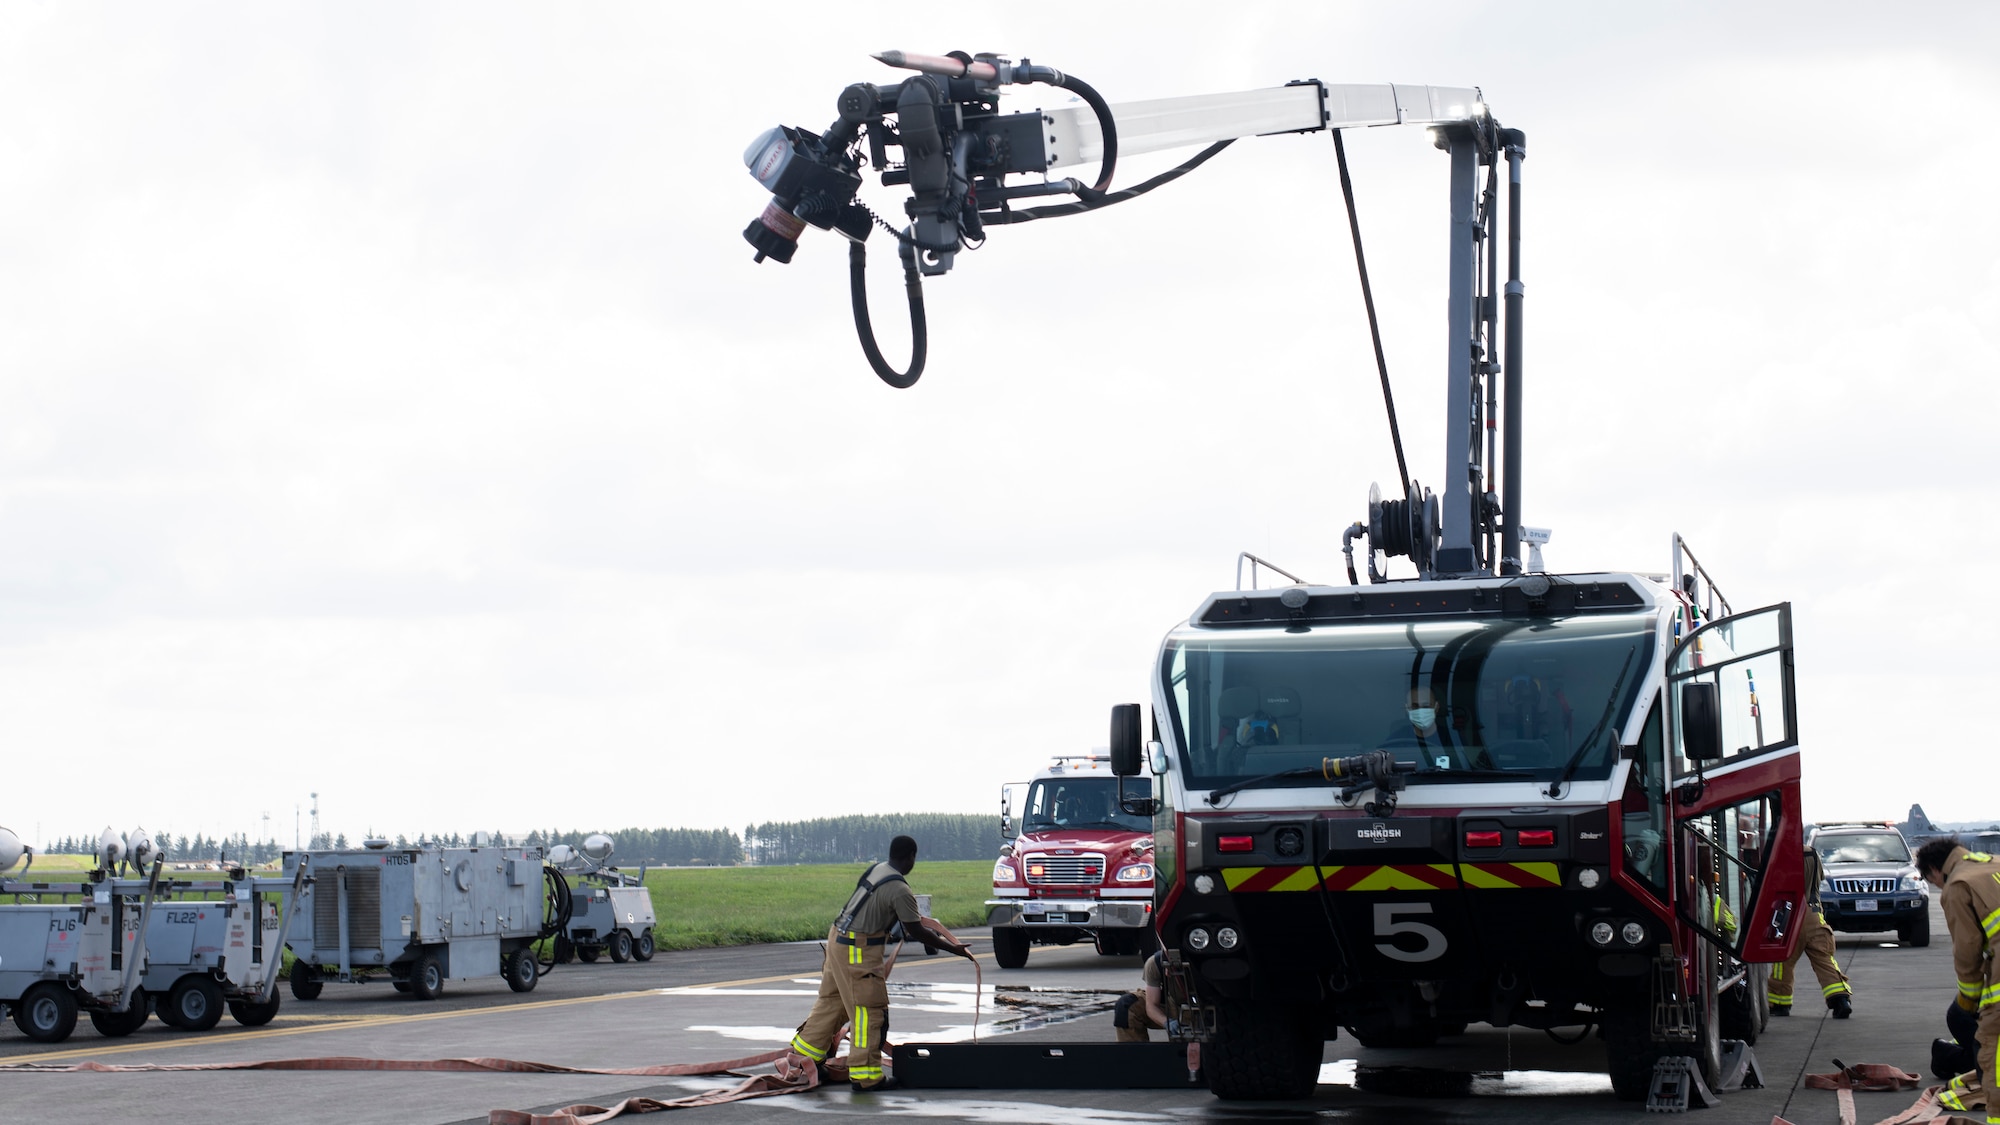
(857, 839)
(839, 839)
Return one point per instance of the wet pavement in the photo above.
(718, 1004)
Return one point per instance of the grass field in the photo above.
(709, 906)
(700, 907)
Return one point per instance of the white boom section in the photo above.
(1165, 123)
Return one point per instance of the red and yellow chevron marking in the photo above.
(1395, 877)
(1508, 876)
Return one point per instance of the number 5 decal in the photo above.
(1387, 926)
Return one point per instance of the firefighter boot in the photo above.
(1841, 1006)
(1781, 1009)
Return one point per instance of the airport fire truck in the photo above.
(1476, 792)
(1080, 870)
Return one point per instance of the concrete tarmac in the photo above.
(729, 1003)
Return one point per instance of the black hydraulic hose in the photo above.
(1368, 299)
(1105, 125)
(1093, 201)
(556, 911)
(913, 282)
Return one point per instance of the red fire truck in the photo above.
(1081, 868)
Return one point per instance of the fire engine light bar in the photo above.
(1233, 843)
(1482, 839)
(1536, 837)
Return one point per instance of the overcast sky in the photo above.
(389, 406)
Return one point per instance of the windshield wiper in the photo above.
(1251, 783)
(1590, 739)
(1448, 774)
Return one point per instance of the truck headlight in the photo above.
(1135, 873)
(1633, 933)
(1226, 937)
(1601, 933)
(1003, 872)
(1197, 938)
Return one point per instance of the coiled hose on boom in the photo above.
(557, 906)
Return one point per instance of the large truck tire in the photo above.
(47, 1013)
(1262, 1052)
(195, 1002)
(1740, 1007)
(117, 1025)
(1629, 1050)
(426, 977)
(521, 969)
(1010, 948)
(255, 1013)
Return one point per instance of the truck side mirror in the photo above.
(1701, 722)
(1125, 750)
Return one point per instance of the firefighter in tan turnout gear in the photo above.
(1815, 943)
(853, 989)
(1970, 882)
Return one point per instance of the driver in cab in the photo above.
(1421, 738)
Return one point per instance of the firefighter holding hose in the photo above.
(853, 986)
(1970, 882)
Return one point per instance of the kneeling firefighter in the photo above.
(1970, 899)
(1143, 1010)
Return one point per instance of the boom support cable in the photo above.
(1368, 299)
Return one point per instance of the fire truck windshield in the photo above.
(1079, 802)
(1473, 701)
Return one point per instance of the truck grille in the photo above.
(364, 910)
(1864, 886)
(1065, 870)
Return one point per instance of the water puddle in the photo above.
(1002, 1009)
(1431, 1082)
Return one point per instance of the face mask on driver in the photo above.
(1422, 717)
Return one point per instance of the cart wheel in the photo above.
(621, 946)
(643, 948)
(253, 1013)
(47, 1014)
(196, 1003)
(565, 952)
(588, 953)
(427, 977)
(117, 1025)
(522, 972)
(306, 984)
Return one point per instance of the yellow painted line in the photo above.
(335, 1023)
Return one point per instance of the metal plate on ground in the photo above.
(1044, 1066)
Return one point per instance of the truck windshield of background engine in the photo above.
(1079, 802)
(1862, 847)
(1524, 695)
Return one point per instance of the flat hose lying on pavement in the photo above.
(1881, 1077)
